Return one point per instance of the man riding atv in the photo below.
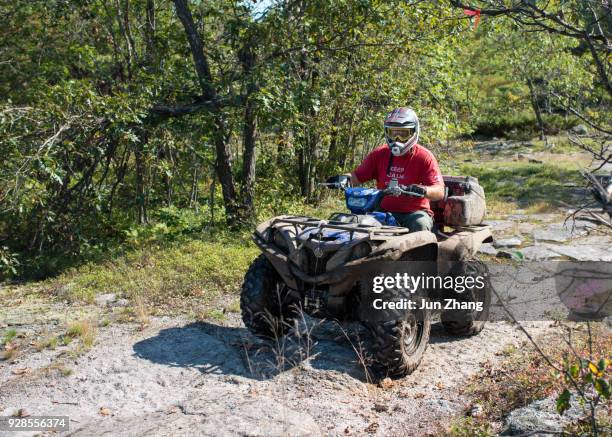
(402, 161)
(327, 268)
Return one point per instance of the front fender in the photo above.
(279, 260)
(407, 242)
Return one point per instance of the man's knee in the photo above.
(420, 222)
(416, 221)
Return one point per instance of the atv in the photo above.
(318, 267)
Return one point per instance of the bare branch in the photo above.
(580, 116)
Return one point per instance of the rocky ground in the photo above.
(540, 237)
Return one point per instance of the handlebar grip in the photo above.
(407, 190)
(413, 194)
(414, 191)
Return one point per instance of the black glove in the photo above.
(414, 190)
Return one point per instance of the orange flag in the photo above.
(473, 13)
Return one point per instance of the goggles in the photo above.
(401, 134)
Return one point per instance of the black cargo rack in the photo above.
(353, 228)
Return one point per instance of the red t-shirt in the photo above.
(419, 166)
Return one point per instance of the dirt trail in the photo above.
(182, 378)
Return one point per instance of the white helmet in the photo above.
(401, 130)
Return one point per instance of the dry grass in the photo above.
(49, 342)
(541, 208)
(9, 354)
(85, 331)
(9, 336)
(11, 351)
(499, 209)
(141, 311)
(212, 314)
(58, 366)
(233, 306)
(362, 357)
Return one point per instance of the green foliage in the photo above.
(467, 427)
(9, 262)
(522, 125)
(512, 72)
(591, 377)
(563, 401)
(526, 375)
(169, 273)
(93, 165)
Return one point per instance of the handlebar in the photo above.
(406, 190)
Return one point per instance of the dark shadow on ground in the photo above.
(229, 350)
(439, 335)
(206, 347)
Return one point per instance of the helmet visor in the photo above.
(401, 134)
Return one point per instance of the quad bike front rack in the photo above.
(373, 231)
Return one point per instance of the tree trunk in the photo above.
(249, 160)
(536, 107)
(141, 206)
(601, 69)
(123, 19)
(213, 185)
(302, 168)
(197, 50)
(222, 165)
(335, 132)
(193, 196)
(310, 166)
(224, 172)
(150, 33)
(308, 151)
(281, 146)
(349, 142)
(247, 59)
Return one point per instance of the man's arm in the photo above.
(432, 181)
(434, 192)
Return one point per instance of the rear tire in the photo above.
(468, 322)
(267, 310)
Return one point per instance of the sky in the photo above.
(260, 6)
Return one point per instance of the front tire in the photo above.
(267, 310)
(399, 345)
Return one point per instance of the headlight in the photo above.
(361, 250)
(358, 202)
(279, 240)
